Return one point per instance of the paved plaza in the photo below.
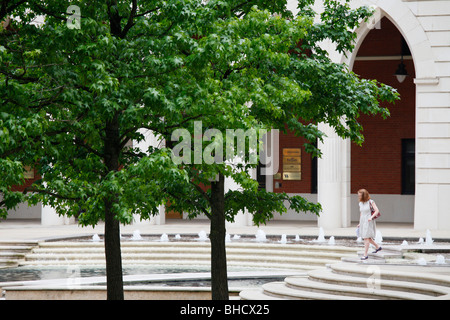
(29, 230)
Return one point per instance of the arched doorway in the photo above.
(385, 164)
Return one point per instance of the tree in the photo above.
(105, 74)
(163, 66)
(21, 96)
(267, 71)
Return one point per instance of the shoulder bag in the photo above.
(372, 210)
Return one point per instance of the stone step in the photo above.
(8, 263)
(385, 253)
(403, 275)
(262, 255)
(248, 246)
(261, 258)
(193, 263)
(11, 255)
(346, 289)
(188, 250)
(25, 243)
(258, 294)
(13, 252)
(279, 289)
(18, 248)
(372, 279)
(352, 281)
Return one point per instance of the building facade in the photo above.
(405, 160)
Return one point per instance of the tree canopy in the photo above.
(76, 98)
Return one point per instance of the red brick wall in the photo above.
(27, 183)
(376, 165)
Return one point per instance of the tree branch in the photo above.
(130, 22)
(33, 189)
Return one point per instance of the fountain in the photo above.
(177, 237)
(202, 236)
(297, 238)
(260, 236)
(136, 235)
(421, 262)
(420, 241)
(428, 240)
(321, 237)
(227, 238)
(236, 237)
(440, 259)
(95, 238)
(331, 241)
(164, 238)
(283, 239)
(404, 243)
(378, 237)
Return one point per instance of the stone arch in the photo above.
(409, 26)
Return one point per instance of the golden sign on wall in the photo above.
(292, 176)
(292, 164)
(28, 172)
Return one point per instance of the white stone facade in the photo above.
(425, 25)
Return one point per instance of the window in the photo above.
(408, 166)
(314, 172)
(259, 177)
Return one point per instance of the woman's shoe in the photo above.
(380, 248)
(364, 257)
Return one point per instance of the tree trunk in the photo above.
(113, 255)
(114, 278)
(219, 278)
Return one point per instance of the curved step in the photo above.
(262, 255)
(419, 277)
(326, 276)
(355, 282)
(257, 294)
(309, 284)
(279, 289)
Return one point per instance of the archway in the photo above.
(385, 164)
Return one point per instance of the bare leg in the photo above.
(374, 243)
(366, 246)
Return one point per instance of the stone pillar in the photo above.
(333, 180)
(432, 190)
(154, 141)
(242, 218)
(49, 217)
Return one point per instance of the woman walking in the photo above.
(367, 227)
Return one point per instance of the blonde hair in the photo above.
(365, 196)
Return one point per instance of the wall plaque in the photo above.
(292, 164)
(28, 172)
(292, 176)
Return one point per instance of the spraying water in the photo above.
(136, 235)
(202, 236)
(321, 237)
(260, 236)
(428, 240)
(164, 238)
(331, 241)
